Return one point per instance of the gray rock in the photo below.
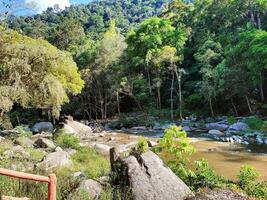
(69, 129)
(92, 187)
(79, 175)
(157, 126)
(265, 141)
(216, 126)
(102, 148)
(216, 132)
(57, 160)
(58, 149)
(77, 129)
(149, 178)
(140, 128)
(122, 148)
(24, 142)
(219, 194)
(237, 139)
(2, 138)
(186, 128)
(104, 180)
(152, 143)
(239, 126)
(245, 143)
(43, 127)
(17, 152)
(259, 140)
(44, 143)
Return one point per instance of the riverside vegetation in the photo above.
(162, 58)
(174, 148)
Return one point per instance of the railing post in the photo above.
(52, 187)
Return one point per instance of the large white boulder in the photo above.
(77, 128)
(149, 178)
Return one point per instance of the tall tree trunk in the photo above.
(118, 102)
(261, 88)
(172, 95)
(179, 76)
(258, 21)
(149, 80)
(102, 108)
(252, 17)
(248, 103)
(180, 98)
(159, 98)
(106, 107)
(211, 108)
(234, 107)
(96, 110)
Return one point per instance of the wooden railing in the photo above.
(51, 180)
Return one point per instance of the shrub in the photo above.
(247, 176)
(66, 140)
(254, 123)
(206, 177)
(247, 180)
(231, 120)
(5, 123)
(176, 143)
(142, 145)
(264, 126)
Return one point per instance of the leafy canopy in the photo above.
(33, 73)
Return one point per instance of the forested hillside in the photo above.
(200, 57)
(135, 80)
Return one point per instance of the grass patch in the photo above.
(66, 140)
(231, 120)
(36, 154)
(255, 123)
(90, 162)
(23, 132)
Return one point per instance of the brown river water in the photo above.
(227, 159)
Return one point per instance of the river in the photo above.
(225, 158)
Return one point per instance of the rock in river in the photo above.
(239, 126)
(216, 126)
(216, 132)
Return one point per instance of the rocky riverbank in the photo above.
(39, 147)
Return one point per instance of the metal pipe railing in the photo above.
(51, 180)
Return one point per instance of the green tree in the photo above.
(208, 57)
(146, 45)
(68, 32)
(34, 73)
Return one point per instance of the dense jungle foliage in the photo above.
(170, 59)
